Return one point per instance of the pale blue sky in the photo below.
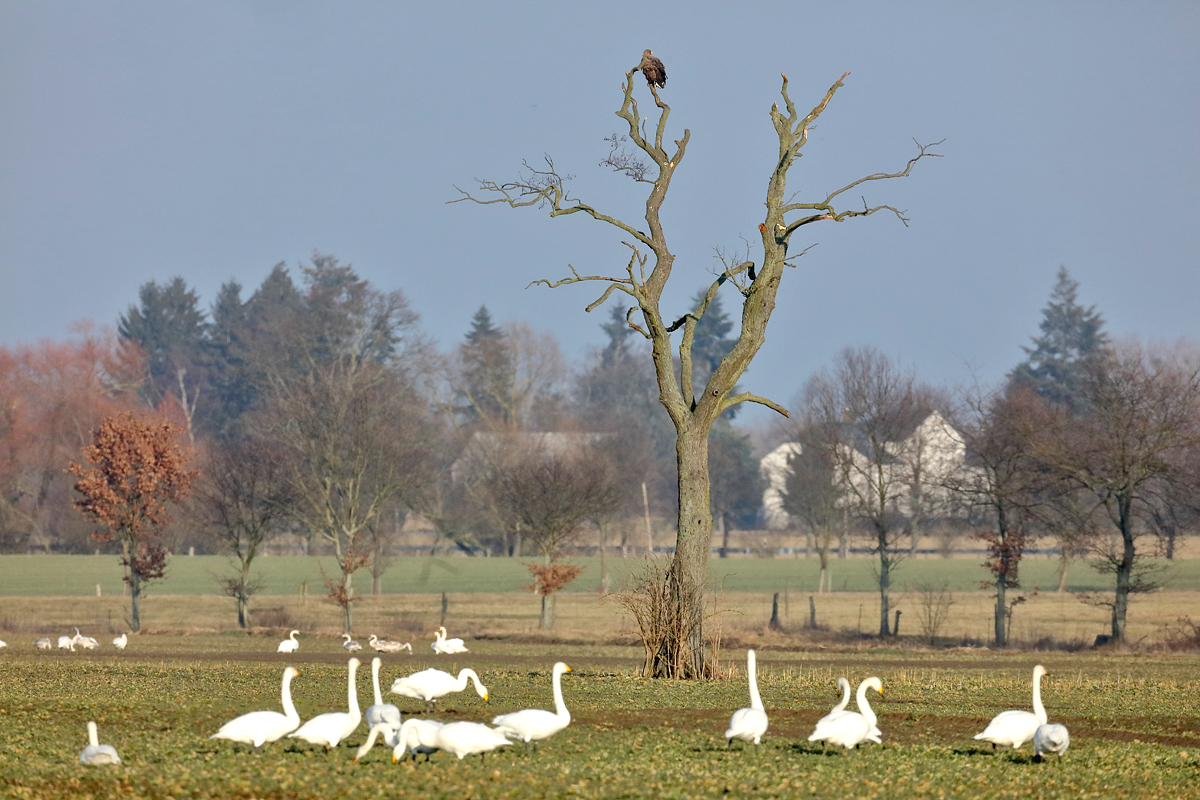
(213, 140)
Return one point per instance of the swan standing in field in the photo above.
(258, 727)
(448, 646)
(329, 729)
(86, 642)
(851, 728)
(748, 724)
(66, 643)
(460, 738)
(535, 724)
(1015, 728)
(875, 736)
(43, 643)
(350, 645)
(95, 753)
(381, 713)
(289, 645)
(121, 641)
(417, 731)
(431, 684)
(1050, 738)
(388, 646)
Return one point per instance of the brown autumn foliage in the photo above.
(137, 467)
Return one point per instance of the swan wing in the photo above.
(98, 754)
(530, 725)
(383, 714)
(747, 724)
(256, 728)
(1011, 728)
(848, 730)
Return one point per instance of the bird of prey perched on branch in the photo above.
(653, 69)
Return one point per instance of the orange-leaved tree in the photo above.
(136, 468)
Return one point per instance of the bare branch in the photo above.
(621, 161)
(747, 397)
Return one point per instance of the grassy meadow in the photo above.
(1134, 713)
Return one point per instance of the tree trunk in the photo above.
(242, 600)
(348, 608)
(683, 653)
(1064, 561)
(724, 538)
(885, 582)
(1124, 573)
(1170, 534)
(823, 555)
(1001, 609)
(135, 594)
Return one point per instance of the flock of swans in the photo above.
(78, 640)
(849, 729)
(384, 721)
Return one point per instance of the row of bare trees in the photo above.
(1114, 474)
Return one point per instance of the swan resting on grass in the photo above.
(289, 645)
(43, 643)
(748, 724)
(258, 727)
(460, 738)
(330, 729)
(388, 646)
(1050, 738)
(448, 646)
(86, 642)
(1015, 728)
(121, 641)
(535, 724)
(381, 713)
(851, 728)
(432, 684)
(95, 753)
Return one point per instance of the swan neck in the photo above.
(375, 664)
(752, 670)
(560, 706)
(289, 708)
(93, 735)
(864, 707)
(1039, 710)
(351, 694)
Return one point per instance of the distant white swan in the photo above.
(350, 645)
(1050, 738)
(431, 684)
(851, 728)
(447, 646)
(3, 643)
(1015, 728)
(289, 645)
(381, 713)
(86, 642)
(748, 724)
(535, 724)
(95, 753)
(43, 643)
(460, 738)
(259, 727)
(329, 729)
(66, 643)
(387, 646)
(121, 641)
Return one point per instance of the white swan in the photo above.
(1015, 728)
(851, 728)
(448, 646)
(3, 643)
(259, 727)
(329, 729)
(460, 738)
(431, 684)
(381, 713)
(121, 641)
(844, 686)
(417, 736)
(66, 643)
(86, 642)
(289, 645)
(748, 724)
(43, 643)
(350, 645)
(1050, 738)
(535, 724)
(387, 646)
(95, 753)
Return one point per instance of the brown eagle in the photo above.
(653, 69)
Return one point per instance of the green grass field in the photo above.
(55, 575)
(1134, 721)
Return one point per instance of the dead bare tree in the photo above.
(693, 409)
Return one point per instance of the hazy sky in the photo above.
(139, 141)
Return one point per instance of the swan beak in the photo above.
(395, 760)
(568, 669)
(485, 697)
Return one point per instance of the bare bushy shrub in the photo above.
(934, 603)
